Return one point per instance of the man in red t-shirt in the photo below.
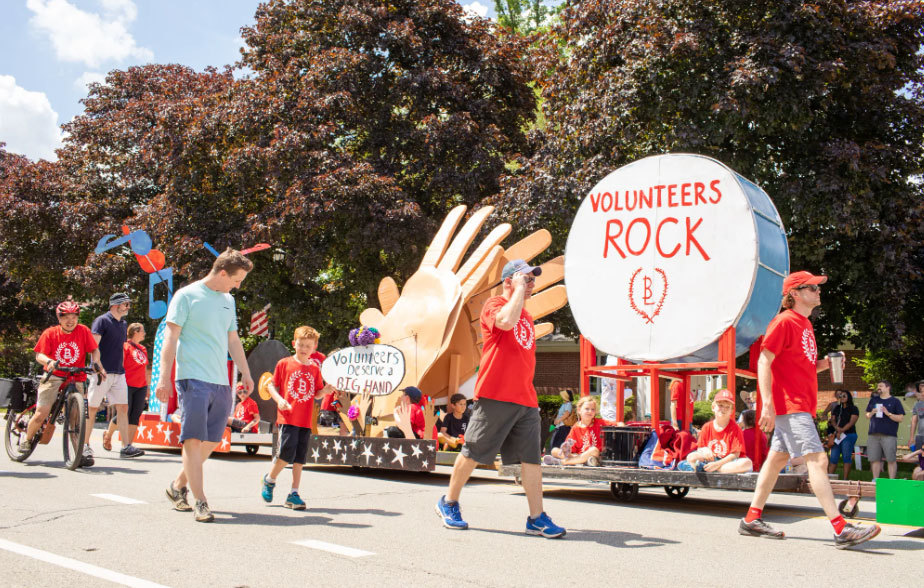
(65, 345)
(789, 391)
(505, 416)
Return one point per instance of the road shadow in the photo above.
(33, 475)
(296, 518)
(620, 539)
(362, 511)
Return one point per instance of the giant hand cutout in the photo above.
(434, 321)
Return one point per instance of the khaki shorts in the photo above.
(48, 391)
(113, 388)
(881, 447)
(505, 427)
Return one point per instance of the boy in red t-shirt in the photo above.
(246, 417)
(296, 381)
(585, 441)
(721, 442)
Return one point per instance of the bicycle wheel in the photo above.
(16, 424)
(75, 427)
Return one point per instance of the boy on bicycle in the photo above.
(65, 345)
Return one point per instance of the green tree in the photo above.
(522, 16)
(819, 103)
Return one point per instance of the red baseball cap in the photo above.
(724, 395)
(796, 279)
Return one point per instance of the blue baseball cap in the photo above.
(519, 266)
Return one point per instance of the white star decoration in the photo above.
(160, 427)
(344, 457)
(315, 454)
(378, 459)
(225, 444)
(416, 450)
(368, 453)
(355, 444)
(386, 448)
(150, 434)
(140, 433)
(424, 464)
(324, 444)
(399, 456)
(168, 432)
(337, 446)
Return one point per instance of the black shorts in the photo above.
(137, 403)
(293, 444)
(505, 427)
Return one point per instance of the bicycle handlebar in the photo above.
(71, 370)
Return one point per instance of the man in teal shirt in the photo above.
(201, 331)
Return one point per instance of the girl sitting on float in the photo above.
(584, 442)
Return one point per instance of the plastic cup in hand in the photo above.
(836, 364)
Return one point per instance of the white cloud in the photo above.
(476, 9)
(86, 37)
(88, 77)
(28, 124)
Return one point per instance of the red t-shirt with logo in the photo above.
(586, 437)
(791, 339)
(248, 411)
(135, 358)
(721, 443)
(68, 349)
(508, 359)
(297, 383)
(679, 397)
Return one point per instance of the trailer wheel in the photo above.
(848, 512)
(252, 449)
(677, 492)
(624, 492)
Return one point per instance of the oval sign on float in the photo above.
(376, 369)
(664, 255)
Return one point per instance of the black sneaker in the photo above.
(131, 451)
(854, 535)
(758, 528)
(178, 498)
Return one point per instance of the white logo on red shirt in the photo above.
(718, 447)
(67, 353)
(140, 357)
(808, 346)
(589, 439)
(524, 334)
(300, 387)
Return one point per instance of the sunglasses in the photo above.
(811, 287)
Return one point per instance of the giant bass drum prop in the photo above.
(668, 252)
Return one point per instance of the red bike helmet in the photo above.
(68, 307)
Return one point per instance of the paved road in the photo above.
(55, 532)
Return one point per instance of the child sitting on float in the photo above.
(584, 442)
(720, 441)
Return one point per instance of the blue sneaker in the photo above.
(686, 466)
(450, 513)
(543, 525)
(267, 493)
(294, 501)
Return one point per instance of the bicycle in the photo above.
(74, 406)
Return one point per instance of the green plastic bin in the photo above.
(900, 502)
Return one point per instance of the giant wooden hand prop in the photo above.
(434, 321)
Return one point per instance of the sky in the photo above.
(51, 49)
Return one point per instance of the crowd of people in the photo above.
(201, 332)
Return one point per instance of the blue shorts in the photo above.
(205, 408)
(844, 449)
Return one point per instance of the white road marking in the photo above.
(117, 498)
(332, 548)
(77, 566)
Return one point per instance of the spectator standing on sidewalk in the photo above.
(884, 413)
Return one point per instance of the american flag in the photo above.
(259, 323)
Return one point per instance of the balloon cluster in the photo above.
(364, 336)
